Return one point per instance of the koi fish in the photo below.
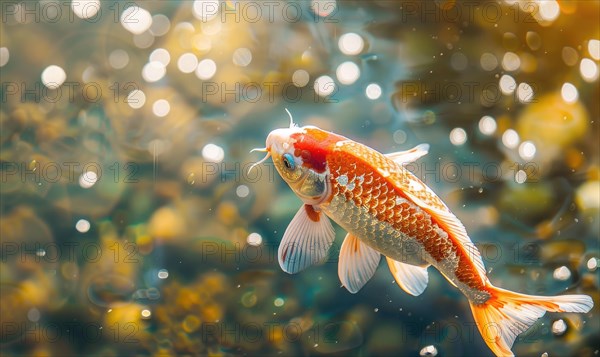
(388, 211)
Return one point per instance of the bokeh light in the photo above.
(594, 49)
(324, 86)
(588, 70)
(511, 61)
(459, 61)
(347, 73)
(136, 99)
(53, 76)
(351, 44)
(569, 93)
(548, 9)
(525, 93)
(559, 327)
(85, 9)
(520, 176)
(592, 264)
(242, 57)
(153, 71)
(82, 226)
(118, 59)
(400, 136)
(242, 191)
(88, 179)
(136, 19)
(4, 56)
(373, 91)
(160, 55)
(458, 136)
(206, 69)
(561, 273)
(300, 78)
(507, 84)
(488, 61)
(487, 125)
(187, 62)
(254, 239)
(527, 150)
(213, 153)
(570, 55)
(161, 108)
(160, 25)
(163, 274)
(510, 139)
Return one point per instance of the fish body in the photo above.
(388, 211)
(373, 198)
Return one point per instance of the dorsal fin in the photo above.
(406, 156)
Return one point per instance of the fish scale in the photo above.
(381, 217)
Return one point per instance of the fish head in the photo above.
(300, 157)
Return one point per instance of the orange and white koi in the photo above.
(388, 211)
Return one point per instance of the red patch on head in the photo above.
(313, 147)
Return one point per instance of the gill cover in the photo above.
(313, 185)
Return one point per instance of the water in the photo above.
(129, 220)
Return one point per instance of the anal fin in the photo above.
(411, 278)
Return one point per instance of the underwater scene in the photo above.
(145, 189)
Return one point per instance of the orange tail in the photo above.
(507, 314)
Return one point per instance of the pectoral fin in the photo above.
(404, 157)
(411, 278)
(306, 240)
(357, 263)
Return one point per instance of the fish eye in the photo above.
(288, 161)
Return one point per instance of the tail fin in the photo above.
(507, 314)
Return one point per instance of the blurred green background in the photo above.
(129, 223)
